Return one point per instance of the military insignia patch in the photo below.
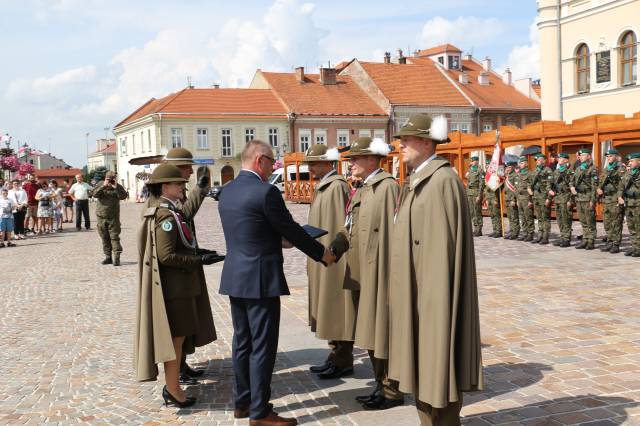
(167, 226)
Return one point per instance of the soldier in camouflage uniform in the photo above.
(629, 199)
(583, 187)
(108, 195)
(608, 191)
(511, 200)
(493, 206)
(525, 204)
(539, 190)
(560, 191)
(475, 186)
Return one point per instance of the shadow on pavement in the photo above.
(583, 409)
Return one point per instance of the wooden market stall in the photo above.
(596, 132)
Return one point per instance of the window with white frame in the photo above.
(141, 141)
(487, 127)
(202, 136)
(364, 133)
(273, 137)
(123, 146)
(149, 139)
(343, 137)
(249, 135)
(464, 127)
(304, 136)
(227, 147)
(176, 138)
(133, 144)
(379, 133)
(320, 136)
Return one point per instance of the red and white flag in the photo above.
(495, 170)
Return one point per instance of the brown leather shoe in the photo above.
(244, 412)
(272, 419)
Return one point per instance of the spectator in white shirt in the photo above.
(6, 218)
(80, 192)
(20, 200)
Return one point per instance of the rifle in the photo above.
(624, 191)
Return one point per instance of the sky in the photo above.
(72, 67)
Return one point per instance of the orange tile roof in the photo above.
(439, 49)
(213, 103)
(313, 98)
(414, 84)
(496, 95)
(56, 173)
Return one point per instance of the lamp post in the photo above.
(86, 135)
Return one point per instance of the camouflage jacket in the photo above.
(585, 181)
(561, 184)
(610, 180)
(475, 182)
(541, 181)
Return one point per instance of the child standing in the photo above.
(6, 218)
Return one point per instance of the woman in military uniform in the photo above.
(171, 315)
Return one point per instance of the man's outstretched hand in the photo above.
(328, 258)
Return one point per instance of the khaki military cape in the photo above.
(433, 298)
(373, 207)
(332, 311)
(152, 326)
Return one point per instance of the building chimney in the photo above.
(387, 57)
(402, 60)
(300, 74)
(486, 64)
(463, 78)
(416, 53)
(468, 57)
(506, 78)
(216, 86)
(483, 78)
(327, 76)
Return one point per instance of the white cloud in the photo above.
(465, 32)
(58, 88)
(524, 60)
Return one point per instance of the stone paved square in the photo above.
(560, 332)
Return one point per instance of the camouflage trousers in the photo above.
(612, 222)
(633, 222)
(109, 231)
(493, 205)
(514, 217)
(587, 216)
(564, 217)
(475, 210)
(526, 215)
(542, 213)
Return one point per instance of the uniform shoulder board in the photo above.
(151, 211)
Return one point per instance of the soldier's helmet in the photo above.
(166, 173)
(423, 126)
(366, 146)
(320, 152)
(179, 157)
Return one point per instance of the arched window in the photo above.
(583, 68)
(628, 58)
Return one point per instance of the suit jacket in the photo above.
(254, 220)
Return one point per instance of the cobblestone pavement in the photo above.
(560, 331)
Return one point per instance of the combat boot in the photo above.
(565, 243)
(614, 249)
(557, 243)
(635, 253)
(628, 252)
(515, 237)
(528, 238)
(497, 234)
(537, 239)
(607, 247)
(605, 239)
(107, 260)
(582, 245)
(507, 237)
(590, 245)
(116, 259)
(545, 238)
(521, 237)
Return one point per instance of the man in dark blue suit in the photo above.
(256, 226)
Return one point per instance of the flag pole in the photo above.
(502, 211)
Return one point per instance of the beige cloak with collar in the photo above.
(332, 311)
(371, 208)
(434, 321)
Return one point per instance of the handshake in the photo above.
(209, 257)
(332, 253)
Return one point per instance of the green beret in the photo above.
(563, 155)
(584, 151)
(612, 151)
(511, 163)
(523, 160)
(634, 155)
(474, 158)
(540, 155)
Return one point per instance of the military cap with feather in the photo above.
(366, 146)
(423, 126)
(320, 152)
(166, 173)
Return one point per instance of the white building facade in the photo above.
(589, 57)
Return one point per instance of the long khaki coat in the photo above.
(372, 209)
(332, 311)
(434, 321)
(153, 342)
